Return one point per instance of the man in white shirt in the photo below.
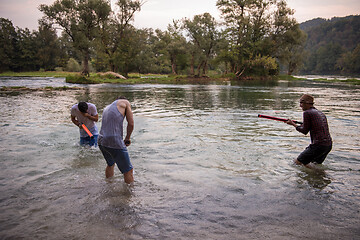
(86, 113)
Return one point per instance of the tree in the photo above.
(257, 29)
(130, 51)
(113, 30)
(80, 19)
(236, 15)
(327, 57)
(8, 45)
(289, 39)
(204, 36)
(330, 45)
(350, 61)
(248, 23)
(173, 43)
(48, 53)
(27, 50)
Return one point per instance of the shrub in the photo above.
(73, 66)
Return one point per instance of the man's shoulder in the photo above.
(74, 107)
(123, 102)
(91, 105)
(312, 110)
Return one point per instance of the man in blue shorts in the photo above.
(111, 141)
(86, 113)
(315, 122)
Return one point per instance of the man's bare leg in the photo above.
(128, 177)
(109, 171)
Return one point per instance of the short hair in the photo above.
(83, 107)
(306, 98)
(122, 97)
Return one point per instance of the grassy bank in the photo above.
(133, 78)
(136, 78)
(352, 81)
(36, 74)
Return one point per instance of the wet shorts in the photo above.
(314, 153)
(89, 141)
(118, 156)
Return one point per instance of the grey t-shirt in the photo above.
(111, 133)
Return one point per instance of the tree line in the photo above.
(253, 38)
(332, 46)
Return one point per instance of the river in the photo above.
(205, 166)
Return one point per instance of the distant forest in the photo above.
(332, 46)
(254, 38)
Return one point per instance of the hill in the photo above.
(332, 45)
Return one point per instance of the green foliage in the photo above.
(80, 79)
(73, 66)
(251, 31)
(8, 45)
(172, 44)
(80, 20)
(22, 50)
(204, 37)
(48, 52)
(257, 34)
(331, 45)
(261, 66)
(350, 61)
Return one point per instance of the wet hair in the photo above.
(83, 107)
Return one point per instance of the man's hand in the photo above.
(85, 114)
(290, 122)
(127, 142)
(92, 118)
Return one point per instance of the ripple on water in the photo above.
(206, 167)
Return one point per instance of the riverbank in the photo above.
(133, 78)
(136, 78)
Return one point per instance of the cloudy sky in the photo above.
(159, 13)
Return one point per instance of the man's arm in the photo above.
(130, 121)
(303, 128)
(75, 121)
(92, 118)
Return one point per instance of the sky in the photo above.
(159, 13)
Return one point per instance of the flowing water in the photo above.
(206, 167)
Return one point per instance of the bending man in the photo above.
(111, 142)
(315, 122)
(86, 113)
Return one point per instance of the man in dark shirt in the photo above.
(315, 122)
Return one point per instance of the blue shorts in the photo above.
(89, 141)
(118, 156)
(314, 153)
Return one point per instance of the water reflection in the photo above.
(315, 178)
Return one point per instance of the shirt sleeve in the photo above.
(305, 127)
(92, 110)
(72, 111)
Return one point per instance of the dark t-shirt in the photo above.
(315, 121)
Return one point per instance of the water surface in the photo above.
(206, 167)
